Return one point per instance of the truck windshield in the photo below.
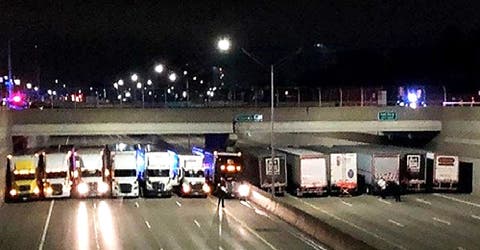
(158, 172)
(91, 173)
(125, 172)
(193, 173)
(20, 177)
(56, 174)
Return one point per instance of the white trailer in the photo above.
(445, 173)
(343, 173)
(307, 171)
(124, 182)
(193, 176)
(159, 175)
(57, 175)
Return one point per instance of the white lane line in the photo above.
(261, 212)
(196, 223)
(243, 224)
(148, 224)
(220, 248)
(476, 217)
(136, 204)
(246, 204)
(384, 201)
(396, 223)
(423, 201)
(458, 200)
(94, 205)
(45, 228)
(178, 203)
(95, 227)
(347, 204)
(461, 248)
(350, 224)
(442, 221)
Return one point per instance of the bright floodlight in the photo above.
(172, 77)
(139, 85)
(149, 82)
(120, 82)
(159, 68)
(134, 77)
(224, 44)
(412, 97)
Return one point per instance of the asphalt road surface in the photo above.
(170, 223)
(420, 221)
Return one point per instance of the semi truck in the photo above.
(23, 177)
(91, 173)
(161, 173)
(227, 166)
(260, 171)
(57, 183)
(445, 172)
(192, 176)
(124, 174)
(307, 171)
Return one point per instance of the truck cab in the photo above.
(57, 182)
(193, 176)
(159, 176)
(229, 166)
(23, 177)
(90, 174)
(124, 182)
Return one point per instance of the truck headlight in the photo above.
(243, 190)
(49, 190)
(206, 188)
(82, 188)
(186, 188)
(102, 187)
(13, 192)
(36, 190)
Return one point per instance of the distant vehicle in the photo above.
(193, 176)
(23, 177)
(161, 173)
(260, 171)
(124, 174)
(411, 96)
(226, 165)
(91, 173)
(57, 182)
(307, 171)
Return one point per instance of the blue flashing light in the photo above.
(140, 161)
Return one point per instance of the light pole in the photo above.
(139, 86)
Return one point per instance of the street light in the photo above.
(224, 45)
(159, 68)
(172, 77)
(134, 77)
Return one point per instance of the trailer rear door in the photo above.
(386, 166)
(313, 172)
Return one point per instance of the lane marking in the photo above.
(136, 204)
(245, 226)
(261, 212)
(148, 224)
(442, 221)
(94, 205)
(384, 201)
(95, 228)
(196, 223)
(461, 248)
(347, 204)
(220, 248)
(458, 200)
(178, 203)
(423, 201)
(350, 223)
(45, 228)
(396, 223)
(476, 217)
(246, 204)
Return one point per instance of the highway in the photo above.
(170, 223)
(420, 221)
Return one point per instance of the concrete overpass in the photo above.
(214, 120)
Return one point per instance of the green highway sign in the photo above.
(387, 116)
(248, 118)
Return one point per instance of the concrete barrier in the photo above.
(306, 222)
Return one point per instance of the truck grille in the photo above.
(24, 188)
(197, 187)
(125, 188)
(57, 189)
(92, 187)
(158, 186)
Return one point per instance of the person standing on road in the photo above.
(222, 192)
(396, 191)
(382, 184)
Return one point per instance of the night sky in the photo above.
(368, 43)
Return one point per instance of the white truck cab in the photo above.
(125, 183)
(90, 182)
(57, 182)
(193, 176)
(159, 177)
